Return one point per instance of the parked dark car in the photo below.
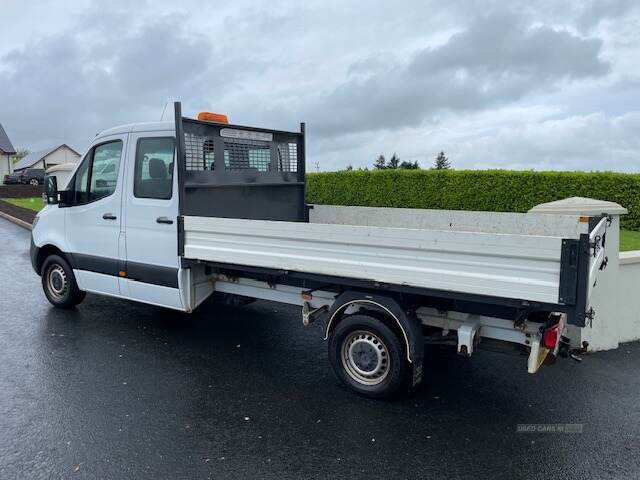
(13, 178)
(33, 176)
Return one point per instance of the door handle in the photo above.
(109, 216)
(164, 220)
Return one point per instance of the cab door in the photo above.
(93, 220)
(150, 221)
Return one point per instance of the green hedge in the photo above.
(490, 190)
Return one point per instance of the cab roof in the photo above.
(139, 127)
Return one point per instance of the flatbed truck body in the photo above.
(173, 212)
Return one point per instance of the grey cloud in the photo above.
(590, 142)
(83, 81)
(596, 11)
(496, 60)
(503, 44)
(365, 79)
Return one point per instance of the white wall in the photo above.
(61, 155)
(5, 166)
(454, 220)
(38, 164)
(628, 295)
(605, 297)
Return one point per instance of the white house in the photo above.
(46, 158)
(6, 150)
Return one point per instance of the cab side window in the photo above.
(104, 170)
(153, 177)
(97, 175)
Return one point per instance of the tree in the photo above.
(394, 161)
(380, 163)
(349, 168)
(409, 165)
(442, 162)
(20, 154)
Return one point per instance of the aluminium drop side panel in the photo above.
(509, 266)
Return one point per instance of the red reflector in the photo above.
(550, 337)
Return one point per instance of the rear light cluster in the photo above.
(550, 337)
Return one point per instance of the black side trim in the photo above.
(141, 272)
(568, 272)
(578, 315)
(91, 263)
(156, 275)
(180, 236)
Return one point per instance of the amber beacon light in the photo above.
(213, 117)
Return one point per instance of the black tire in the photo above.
(34, 182)
(357, 349)
(59, 283)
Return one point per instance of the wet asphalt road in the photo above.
(118, 390)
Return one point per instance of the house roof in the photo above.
(34, 157)
(5, 143)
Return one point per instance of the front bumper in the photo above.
(34, 254)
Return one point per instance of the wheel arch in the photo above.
(44, 252)
(401, 318)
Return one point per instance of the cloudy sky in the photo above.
(517, 84)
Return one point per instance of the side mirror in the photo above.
(51, 189)
(52, 196)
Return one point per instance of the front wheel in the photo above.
(368, 357)
(34, 182)
(59, 283)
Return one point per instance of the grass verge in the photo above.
(629, 240)
(33, 203)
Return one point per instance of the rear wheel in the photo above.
(59, 283)
(34, 182)
(368, 357)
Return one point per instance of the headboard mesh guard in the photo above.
(242, 172)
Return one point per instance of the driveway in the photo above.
(118, 390)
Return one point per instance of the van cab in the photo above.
(115, 225)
